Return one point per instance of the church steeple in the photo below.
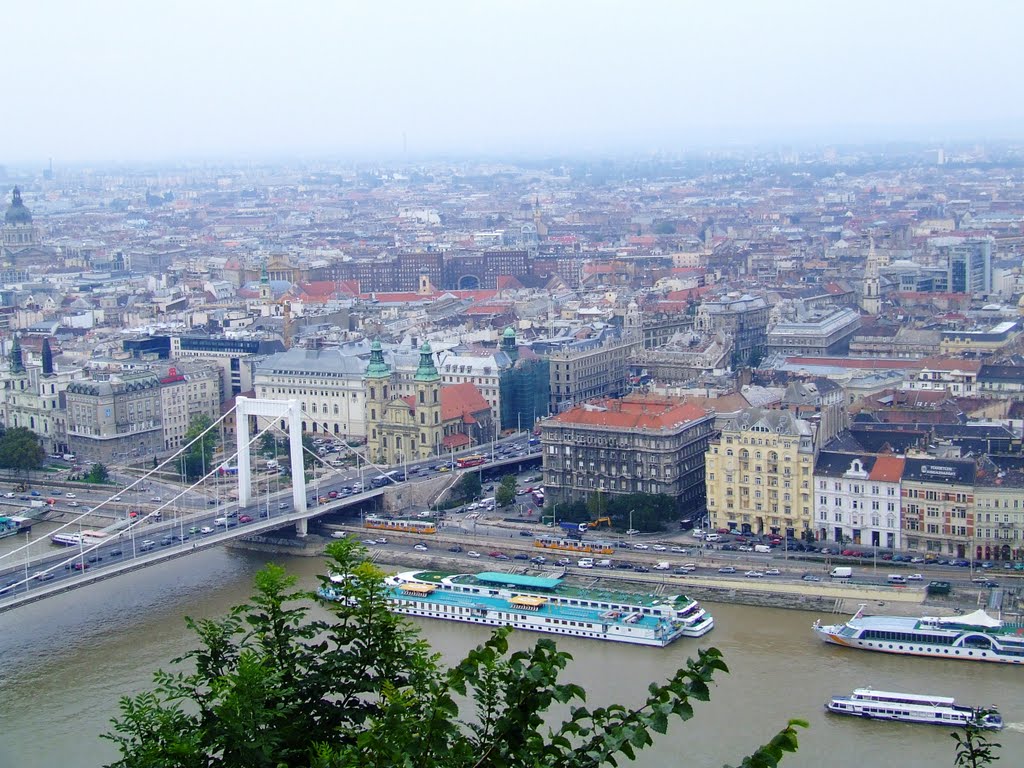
(47, 355)
(265, 292)
(17, 364)
(508, 344)
(871, 300)
(377, 368)
(427, 371)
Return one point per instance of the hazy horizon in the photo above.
(117, 82)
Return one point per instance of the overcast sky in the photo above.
(141, 80)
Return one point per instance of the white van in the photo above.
(841, 572)
(664, 565)
(712, 537)
(895, 578)
(221, 521)
(764, 549)
(603, 564)
(586, 562)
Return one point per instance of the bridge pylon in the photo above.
(273, 409)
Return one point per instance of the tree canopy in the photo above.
(468, 487)
(651, 512)
(21, 450)
(197, 460)
(269, 687)
(505, 493)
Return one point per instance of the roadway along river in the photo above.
(65, 662)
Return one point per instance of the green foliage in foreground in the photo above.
(973, 748)
(270, 686)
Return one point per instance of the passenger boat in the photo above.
(543, 605)
(912, 708)
(8, 527)
(85, 539)
(974, 636)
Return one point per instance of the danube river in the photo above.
(65, 662)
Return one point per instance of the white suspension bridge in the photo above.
(125, 545)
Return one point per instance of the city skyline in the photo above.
(116, 82)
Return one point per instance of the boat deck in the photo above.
(546, 610)
(568, 591)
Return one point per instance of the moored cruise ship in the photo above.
(912, 708)
(974, 636)
(545, 605)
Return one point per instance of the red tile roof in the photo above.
(634, 412)
(887, 469)
(461, 400)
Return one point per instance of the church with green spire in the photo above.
(434, 420)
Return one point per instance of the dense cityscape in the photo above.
(641, 316)
(503, 385)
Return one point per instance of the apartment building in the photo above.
(857, 499)
(591, 369)
(998, 514)
(116, 419)
(759, 474)
(958, 377)
(744, 318)
(237, 358)
(937, 506)
(483, 370)
(186, 391)
(817, 334)
(637, 444)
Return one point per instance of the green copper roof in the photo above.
(509, 333)
(264, 275)
(377, 369)
(426, 371)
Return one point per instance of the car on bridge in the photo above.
(245, 518)
(44, 576)
(147, 545)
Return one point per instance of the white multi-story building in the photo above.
(484, 371)
(857, 499)
(188, 390)
(328, 383)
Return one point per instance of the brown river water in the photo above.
(65, 662)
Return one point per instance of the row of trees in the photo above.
(649, 512)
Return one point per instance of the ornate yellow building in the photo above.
(758, 474)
